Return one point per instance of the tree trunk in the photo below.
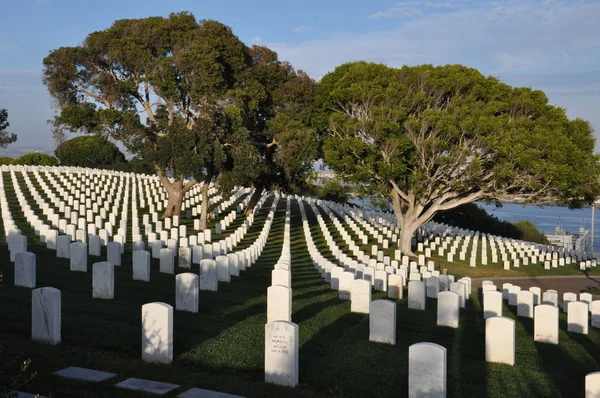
(253, 200)
(204, 207)
(175, 192)
(408, 222)
(174, 195)
(405, 238)
(174, 204)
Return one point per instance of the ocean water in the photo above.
(546, 218)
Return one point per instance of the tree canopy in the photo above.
(280, 127)
(89, 151)
(433, 138)
(205, 105)
(36, 159)
(5, 137)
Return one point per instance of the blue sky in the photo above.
(547, 44)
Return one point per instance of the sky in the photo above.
(544, 44)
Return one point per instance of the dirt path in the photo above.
(562, 284)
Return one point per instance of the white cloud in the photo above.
(525, 43)
(256, 39)
(520, 36)
(301, 28)
(433, 4)
(396, 12)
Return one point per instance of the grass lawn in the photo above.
(222, 347)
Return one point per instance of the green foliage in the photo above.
(530, 233)
(139, 165)
(433, 138)
(218, 109)
(470, 216)
(5, 137)
(89, 151)
(195, 70)
(333, 190)
(280, 127)
(5, 160)
(36, 159)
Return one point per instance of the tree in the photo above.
(5, 160)
(5, 137)
(334, 191)
(36, 159)
(430, 139)
(281, 127)
(530, 233)
(89, 151)
(191, 80)
(139, 165)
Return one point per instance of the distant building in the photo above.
(569, 241)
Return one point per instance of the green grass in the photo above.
(222, 347)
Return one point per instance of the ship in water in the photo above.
(568, 241)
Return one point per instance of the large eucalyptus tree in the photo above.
(174, 90)
(430, 139)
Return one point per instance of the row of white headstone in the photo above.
(542, 308)
(157, 318)
(520, 252)
(427, 362)
(281, 334)
(511, 253)
(78, 232)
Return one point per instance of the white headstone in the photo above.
(281, 353)
(448, 306)
(25, 269)
(433, 287)
(595, 309)
(416, 295)
(78, 255)
(346, 281)
(550, 297)
(113, 251)
(568, 298)
(63, 243)
(545, 329)
(513, 295)
(360, 296)
(208, 275)
(460, 289)
(427, 371)
(500, 340)
(492, 304)
(281, 277)
(45, 315)
(279, 303)
(185, 257)
(223, 273)
(395, 286)
(382, 321)
(103, 280)
(525, 304)
(157, 333)
(166, 261)
(186, 292)
(578, 317)
(141, 265)
(94, 245)
(592, 385)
